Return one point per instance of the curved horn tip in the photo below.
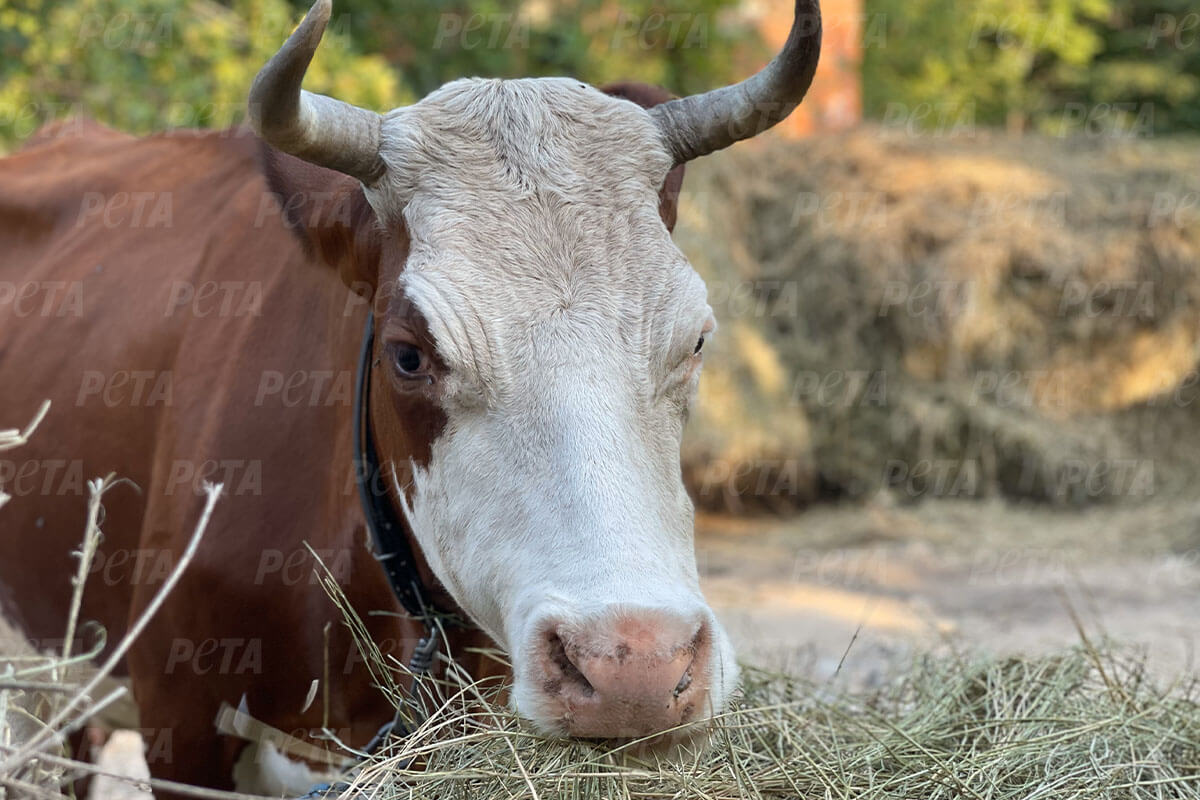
(700, 124)
(284, 71)
(318, 129)
(316, 20)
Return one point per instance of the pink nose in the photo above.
(628, 677)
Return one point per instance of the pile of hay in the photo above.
(961, 317)
(1086, 723)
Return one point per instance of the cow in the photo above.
(194, 304)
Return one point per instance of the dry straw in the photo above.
(1085, 723)
(1082, 724)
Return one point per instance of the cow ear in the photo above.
(648, 96)
(329, 213)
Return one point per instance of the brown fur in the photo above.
(223, 230)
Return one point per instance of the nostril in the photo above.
(569, 673)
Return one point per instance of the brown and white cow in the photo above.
(537, 348)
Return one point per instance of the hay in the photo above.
(1089, 722)
(1085, 723)
(968, 317)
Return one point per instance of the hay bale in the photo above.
(947, 317)
(1082, 723)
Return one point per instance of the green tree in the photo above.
(1110, 66)
(683, 46)
(154, 64)
(1149, 63)
(995, 61)
(144, 65)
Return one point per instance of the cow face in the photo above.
(538, 349)
(546, 313)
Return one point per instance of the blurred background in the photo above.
(954, 392)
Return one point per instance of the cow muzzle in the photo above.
(625, 676)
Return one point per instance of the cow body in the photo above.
(537, 347)
(248, 384)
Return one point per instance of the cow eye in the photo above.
(407, 358)
(699, 346)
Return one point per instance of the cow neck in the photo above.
(389, 531)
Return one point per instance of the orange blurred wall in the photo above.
(835, 100)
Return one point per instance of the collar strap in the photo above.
(388, 530)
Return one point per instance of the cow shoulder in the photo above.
(648, 96)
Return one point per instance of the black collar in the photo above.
(388, 530)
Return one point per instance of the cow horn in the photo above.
(310, 126)
(703, 123)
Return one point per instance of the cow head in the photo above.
(539, 345)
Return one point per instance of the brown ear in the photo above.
(329, 213)
(647, 96)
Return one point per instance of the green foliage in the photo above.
(1150, 58)
(1108, 67)
(990, 61)
(144, 65)
(684, 46)
(154, 64)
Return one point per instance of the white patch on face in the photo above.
(567, 318)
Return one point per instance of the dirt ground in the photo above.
(964, 575)
(867, 586)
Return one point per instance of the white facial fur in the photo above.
(567, 318)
